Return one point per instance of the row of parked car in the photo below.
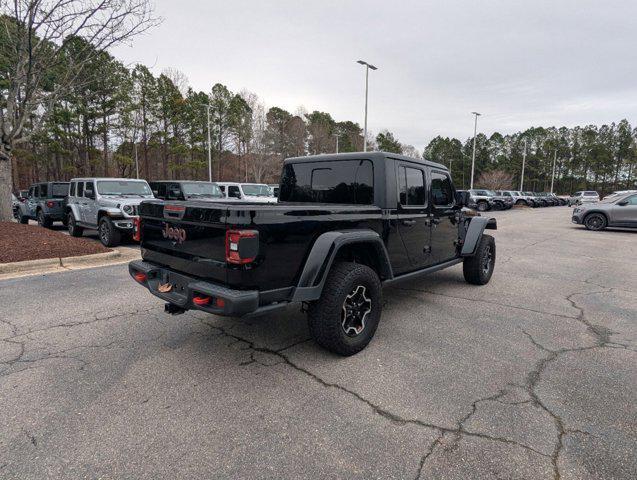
(483, 200)
(110, 205)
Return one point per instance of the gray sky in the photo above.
(521, 63)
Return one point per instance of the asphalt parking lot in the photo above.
(531, 376)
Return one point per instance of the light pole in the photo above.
(335, 135)
(523, 162)
(473, 158)
(367, 67)
(209, 145)
(553, 174)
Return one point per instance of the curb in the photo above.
(83, 259)
(44, 263)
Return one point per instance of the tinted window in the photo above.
(32, 192)
(411, 186)
(233, 191)
(72, 189)
(80, 189)
(59, 190)
(590, 194)
(89, 188)
(441, 190)
(341, 181)
(44, 190)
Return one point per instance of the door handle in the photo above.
(409, 223)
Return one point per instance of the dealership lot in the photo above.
(531, 376)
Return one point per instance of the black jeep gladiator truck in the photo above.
(345, 226)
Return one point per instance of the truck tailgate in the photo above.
(186, 237)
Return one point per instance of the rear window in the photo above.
(59, 190)
(341, 181)
(590, 194)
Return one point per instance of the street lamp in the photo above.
(473, 158)
(367, 67)
(523, 163)
(335, 135)
(553, 174)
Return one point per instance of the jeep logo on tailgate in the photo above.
(176, 234)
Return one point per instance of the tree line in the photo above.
(602, 158)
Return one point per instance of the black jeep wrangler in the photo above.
(345, 226)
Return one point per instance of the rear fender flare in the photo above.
(324, 251)
(474, 233)
(73, 209)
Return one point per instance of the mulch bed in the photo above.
(30, 242)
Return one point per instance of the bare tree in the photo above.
(46, 45)
(496, 180)
(179, 79)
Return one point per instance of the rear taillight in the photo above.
(242, 246)
(140, 277)
(50, 204)
(137, 229)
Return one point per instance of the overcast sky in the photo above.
(520, 63)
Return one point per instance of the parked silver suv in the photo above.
(108, 205)
(618, 211)
(579, 198)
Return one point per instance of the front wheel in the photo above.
(478, 269)
(346, 316)
(109, 235)
(595, 221)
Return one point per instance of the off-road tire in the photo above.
(109, 235)
(474, 268)
(522, 203)
(43, 220)
(74, 229)
(482, 206)
(595, 221)
(326, 315)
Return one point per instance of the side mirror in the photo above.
(623, 203)
(462, 198)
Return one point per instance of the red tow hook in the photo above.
(201, 300)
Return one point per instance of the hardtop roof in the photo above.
(378, 156)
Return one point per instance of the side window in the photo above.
(632, 200)
(44, 190)
(89, 189)
(72, 189)
(32, 192)
(411, 186)
(441, 189)
(233, 192)
(223, 189)
(173, 192)
(161, 190)
(80, 189)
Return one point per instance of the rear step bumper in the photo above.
(185, 291)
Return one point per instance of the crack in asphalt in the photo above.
(481, 300)
(459, 431)
(602, 338)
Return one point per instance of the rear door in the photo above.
(444, 228)
(413, 217)
(32, 199)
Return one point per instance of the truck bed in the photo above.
(286, 232)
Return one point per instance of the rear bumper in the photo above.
(223, 300)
